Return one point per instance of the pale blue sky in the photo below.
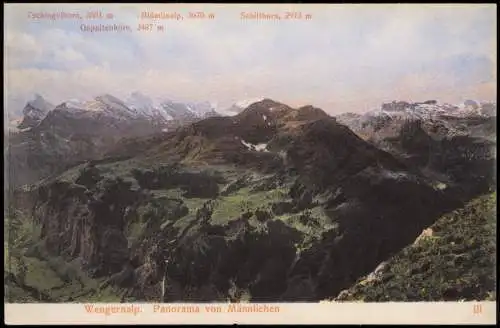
(346, 58)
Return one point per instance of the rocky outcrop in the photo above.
(34, 112)
(88, 223)
(396, 106)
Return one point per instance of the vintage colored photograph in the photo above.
(257, 153)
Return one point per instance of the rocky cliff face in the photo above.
(76, 223)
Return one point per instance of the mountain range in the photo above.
(135, 106)
(80, 130)
(114, 199)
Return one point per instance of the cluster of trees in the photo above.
(201, 184)
(89, 176)
(15, 238)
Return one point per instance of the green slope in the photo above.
(455, 262)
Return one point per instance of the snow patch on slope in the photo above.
(396, 175)
(256, 147)
(75, 104)
(261, 147)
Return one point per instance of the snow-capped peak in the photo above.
(139, 100)
(104, 104)
(239, 106)
(201, 108)
(75, 103)
(247, 102)
(141, 104)
(429, 110)
(186, 109)
(34, 112)
(226, 112)
(112, 101)
(40, 103)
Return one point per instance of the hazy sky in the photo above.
(346, 58)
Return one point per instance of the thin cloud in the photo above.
(348, 57)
